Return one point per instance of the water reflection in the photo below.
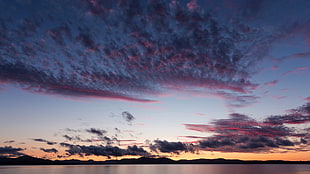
(160, 169)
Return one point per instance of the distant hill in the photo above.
(24, 160)
(28, 160)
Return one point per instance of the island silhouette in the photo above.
(29, 160)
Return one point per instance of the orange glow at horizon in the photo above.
(289, 156)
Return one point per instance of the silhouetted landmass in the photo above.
(28, 160)
(24, 160)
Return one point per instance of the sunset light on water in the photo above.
(107, 80)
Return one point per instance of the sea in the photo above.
(160, 169)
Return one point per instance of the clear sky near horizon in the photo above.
(99, 79)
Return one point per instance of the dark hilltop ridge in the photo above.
(28, 160)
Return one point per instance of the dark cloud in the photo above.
(72, 130)
(296, 116)
(72, 138)
(214, 143)
(135, 150)
(243, 143)
(240, 133)
(9, 141)
(100, 150)
(304, 109)
(128, 116)
(288, 119)
(52, 150)
(101, 135)
(303, 141)
(241, 124)
(45, 141)
(171, 147)
(284, 142)
(10, 151)
(259, 143)
(127, 50)
(252, 145)
(66, 144)
(98, 132)
(67, 137)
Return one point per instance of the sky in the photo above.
(184, 79)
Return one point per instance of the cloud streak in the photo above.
(45, 141)
(97, 132)
(52, 150)
(9, 141)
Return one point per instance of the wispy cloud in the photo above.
(279, 98)
(307, 99)
(98, 132)
(272, 83)
(296, 70)
(199, 127)
(200, 114)
(232, 100)
(52, 150)
(9, 141)
(45, 141)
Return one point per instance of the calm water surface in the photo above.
(160, 169)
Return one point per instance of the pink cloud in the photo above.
(302, 68)
(129, 131)
(296, 70)
(192, 137)
(85, 93)
(200, 114)
(199, 127)
(307, 99)
(272, 83)
(292, 57)
(279, 98)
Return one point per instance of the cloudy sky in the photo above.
(106, 79)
